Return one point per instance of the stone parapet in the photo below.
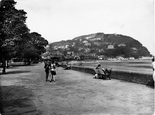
(141, 78)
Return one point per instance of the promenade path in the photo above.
(24, 91)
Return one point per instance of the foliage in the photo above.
(13, 28)
(35, 47)
(38, 42)
(15, 37)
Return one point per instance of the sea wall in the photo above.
(140, 78)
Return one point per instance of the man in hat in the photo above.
(47, 69)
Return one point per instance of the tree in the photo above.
(15, 37)
(38, 42)
(12, 29)
(32, 48)
(29, 53)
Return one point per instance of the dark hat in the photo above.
(99, 65)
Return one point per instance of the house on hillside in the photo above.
(97, 43)
(73, 44)
(121, 45)
(101, 50)
(101, 57)
(85, 41)
(94, 39)
(91, 36)
(134, 49)
(87, 50)
(87, 44)
(110, 46)
(80, 48)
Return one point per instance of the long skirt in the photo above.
(53, 72)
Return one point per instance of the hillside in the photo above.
(99, 45)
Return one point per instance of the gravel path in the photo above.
(75, 93)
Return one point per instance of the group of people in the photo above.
(50, 68)
(102, 73)
(105, 73)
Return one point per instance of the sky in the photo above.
(58, 20)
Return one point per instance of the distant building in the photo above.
(80, 48)
(94, 39)
(146, 58)
(101, 57)
(91, 36)
(101, 50)
(73, 44)
(133, 48)
(121, 45)
(131, 58)
(85, 41)
(97, 43)
(120, 58)
(87, 50)
(110, 47)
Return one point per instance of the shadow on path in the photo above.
(16, 100)
(14, 72)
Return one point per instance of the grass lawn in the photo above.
(138, 66)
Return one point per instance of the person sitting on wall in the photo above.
(99, 72)
(153, 64)
(108, 73)
(68, 66)
(102, 73)
(151, 81)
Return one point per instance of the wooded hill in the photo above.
(100, 45)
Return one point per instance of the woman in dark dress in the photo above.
(53, 71)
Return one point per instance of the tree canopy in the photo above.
(15, 37)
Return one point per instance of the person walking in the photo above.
(47, 68)
(53, 71)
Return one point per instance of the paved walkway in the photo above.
(24, 91)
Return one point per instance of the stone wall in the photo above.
(145, 79)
